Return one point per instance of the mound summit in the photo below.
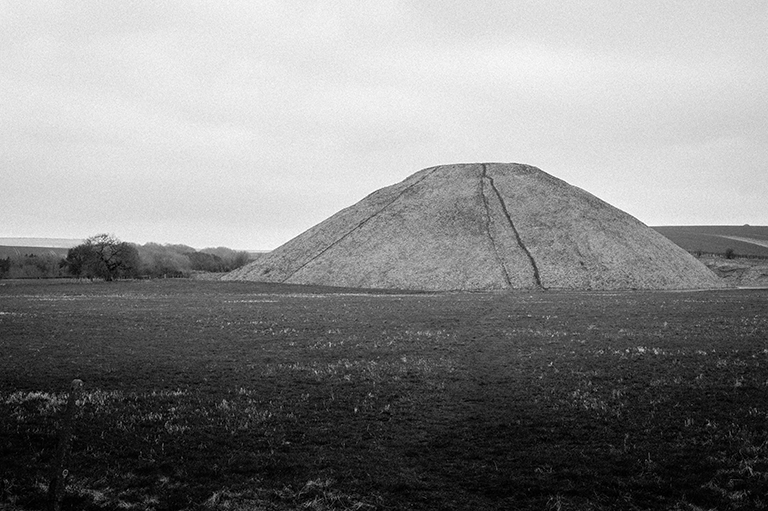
(481, 226)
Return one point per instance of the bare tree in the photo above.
(105, 256)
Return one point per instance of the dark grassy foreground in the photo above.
(240, 396)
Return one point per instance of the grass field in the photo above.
(244, 396)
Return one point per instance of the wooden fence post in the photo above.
(60, 471)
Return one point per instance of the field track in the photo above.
(213, 395)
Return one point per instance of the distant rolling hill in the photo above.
(745, 240)
(13, 247)
(6, 251)
(40, 242)
(14, 251)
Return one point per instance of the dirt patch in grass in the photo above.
(215, 395)
(739, 272)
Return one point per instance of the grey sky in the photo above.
(243, 123)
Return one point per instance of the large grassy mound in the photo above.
(481, 226)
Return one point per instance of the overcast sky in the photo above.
(243, 123)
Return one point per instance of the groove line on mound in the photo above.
(483, 177)
(359, 225)
(536, 275)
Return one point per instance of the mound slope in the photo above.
(481, 227)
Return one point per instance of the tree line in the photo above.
(104, 256)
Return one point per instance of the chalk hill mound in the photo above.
(481, 227)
